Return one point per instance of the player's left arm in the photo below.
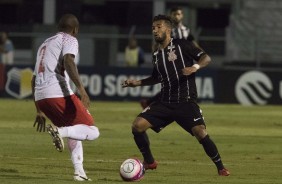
(203, 61)
(199, 55)
(72, 71)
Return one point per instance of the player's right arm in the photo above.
(144, 82)
(39, 119)
(149, 81)
(72, 71)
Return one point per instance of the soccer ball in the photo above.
(132, 170)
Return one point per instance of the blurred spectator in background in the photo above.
(6, 49)
(134, 55)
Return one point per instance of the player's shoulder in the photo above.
(184, 27)
(66, 36)
(183, 43)
(179, 41)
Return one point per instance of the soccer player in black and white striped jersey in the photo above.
(179, 31)
(175, 70)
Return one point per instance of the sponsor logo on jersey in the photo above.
(172, 56)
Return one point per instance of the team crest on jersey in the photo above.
(172, 56)
(18, 82)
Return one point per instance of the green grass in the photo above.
(248, 138)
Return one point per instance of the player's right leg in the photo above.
(156, 117)
(57, 139)
(79, 132)
(139, 127)
(71, 118)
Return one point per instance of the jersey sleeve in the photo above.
(155, 73)
(193, 51)
(70, 46)
(190, 37)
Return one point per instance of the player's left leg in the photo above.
(76, 150)
(193, 122)
(210, 148)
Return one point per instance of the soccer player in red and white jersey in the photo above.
(54, 97)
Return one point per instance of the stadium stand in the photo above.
(255, 32)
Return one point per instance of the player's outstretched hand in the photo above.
(129, 83)
(40, 121)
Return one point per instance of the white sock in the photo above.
(76, 151)
(80, 132)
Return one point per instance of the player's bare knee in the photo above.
(136, 127)
(140, 125)
(199, 132)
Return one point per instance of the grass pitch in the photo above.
(248, 138)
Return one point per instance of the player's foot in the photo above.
(144, 103)
(57, 139)
(223, 172)
(77, 177)
(151, 166)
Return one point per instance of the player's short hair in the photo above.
(165, 18)
(67, 23)
(175, 8)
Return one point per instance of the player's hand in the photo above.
(85, 100)
(189, 70)
(40, 122)
(129, 83)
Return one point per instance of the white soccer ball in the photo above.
(132, 170)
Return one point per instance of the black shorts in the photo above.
(187, 115)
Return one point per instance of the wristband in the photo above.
(196, 66)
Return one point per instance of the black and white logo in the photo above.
(253, 88)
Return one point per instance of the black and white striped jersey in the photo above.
(168, 64)
(182, 32)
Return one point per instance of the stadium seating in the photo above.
(255, 32)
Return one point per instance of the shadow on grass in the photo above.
(110, 180)
(17, 176)
(8, 170)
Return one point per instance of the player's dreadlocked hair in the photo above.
(165, 18)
